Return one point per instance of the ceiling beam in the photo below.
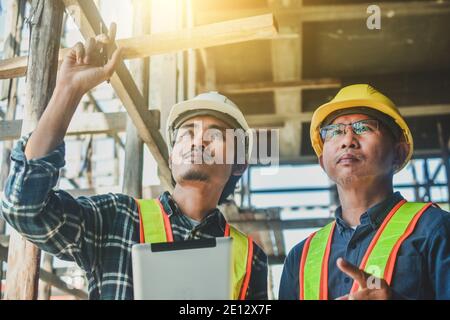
(320, 13)
(359, 11)
(270, 86)
(210, 35)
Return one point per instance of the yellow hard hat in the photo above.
(359, 95)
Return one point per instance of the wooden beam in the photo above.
(90, 23)
(259, 87)
(85, 123)
(51, 279)
(216, 34)
(359, 11)
(45, 288)
(210, 35)
(24, 257)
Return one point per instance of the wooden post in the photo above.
(140, 69)
(45, 288)
(46, 21)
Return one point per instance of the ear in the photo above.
(401, 151)
(239, 169)
(321, 161)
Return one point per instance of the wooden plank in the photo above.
(24, 257)
(45, 288)
(259, 87)
(85, 123)
(90, 23)
(210, 35)
(216, 34)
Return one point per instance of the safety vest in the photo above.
(155, 227)
(379, 259)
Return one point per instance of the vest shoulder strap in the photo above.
(379, 259)
(154, 222)
(242, 262)
(314, 264)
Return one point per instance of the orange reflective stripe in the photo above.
(248, 270)
(141, 225)
(167, 226)
(227, 230)
(389, 271)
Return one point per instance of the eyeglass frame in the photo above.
(349, 124)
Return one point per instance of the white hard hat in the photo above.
(213, 104)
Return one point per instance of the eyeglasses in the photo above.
(361, 127)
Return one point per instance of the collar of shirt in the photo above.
(214, 218)
(374, 216)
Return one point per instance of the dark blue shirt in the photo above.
(422, 269)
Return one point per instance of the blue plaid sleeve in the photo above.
(71, 229)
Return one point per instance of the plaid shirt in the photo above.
(96, 232)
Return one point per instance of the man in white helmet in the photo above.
(98, 232)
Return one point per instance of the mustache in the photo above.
(349, 153)
(194, 175)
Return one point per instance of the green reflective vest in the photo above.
(155, 227)
(379, 259)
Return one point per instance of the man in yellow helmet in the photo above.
(380, 246)
(98, 232)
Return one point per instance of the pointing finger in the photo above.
(353, 271)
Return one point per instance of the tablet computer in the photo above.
(183, 270)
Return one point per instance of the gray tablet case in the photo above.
(183, 270)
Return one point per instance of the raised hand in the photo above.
(86, 66)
